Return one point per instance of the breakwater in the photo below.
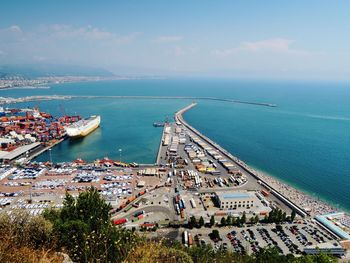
(179, 118)
(4, 100)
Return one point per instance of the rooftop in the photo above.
(237, 195)
(332, 227)
(18, 151)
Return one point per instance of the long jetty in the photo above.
(179, 118)
(66, 97)
(160, 147)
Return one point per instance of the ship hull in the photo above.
(78, 132)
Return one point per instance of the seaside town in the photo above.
(196, 192)
(12, 82)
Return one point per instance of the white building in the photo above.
(235, 200)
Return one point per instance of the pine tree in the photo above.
(223, 221)
(201, 222)
(212, 221)
(292, 216)
(243, 218)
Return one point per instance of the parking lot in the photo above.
(287, 238)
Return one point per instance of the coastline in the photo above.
(26, 87)
(297, 196)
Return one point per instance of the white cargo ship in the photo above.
(83, 127)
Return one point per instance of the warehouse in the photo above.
(234, 200)
(18, 152)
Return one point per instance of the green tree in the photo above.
(201, 221)
(229, 220)
(215, 235)
(266, 219)
(223, 221)
(212, 221)
(292, 216)
(284, 216)
(279, 215)
(243, 218)
(83, 228)
(234, 221)
(269, 255)
(256, 219)
(193, 222)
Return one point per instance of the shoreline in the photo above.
(300, 190)
(296, 196)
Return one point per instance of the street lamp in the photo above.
(50, 155)
(120, 155)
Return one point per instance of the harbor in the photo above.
(192, 177)
(26, 133)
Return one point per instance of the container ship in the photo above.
(83, 127)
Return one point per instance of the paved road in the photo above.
(152, 208)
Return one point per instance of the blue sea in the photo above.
(304, 141)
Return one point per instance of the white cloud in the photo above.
(15, 28)
(167, 39)
(2, 53)
(39, 58)
(274, 45)
(89, 32)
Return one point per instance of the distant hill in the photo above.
(31, 71)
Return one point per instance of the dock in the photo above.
(160, 147)
(179, 118)
(42, 150)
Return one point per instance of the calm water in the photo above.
(305, 141)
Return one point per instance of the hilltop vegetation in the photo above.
(83, 230)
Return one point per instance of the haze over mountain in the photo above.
(259, 39)
(30, 71)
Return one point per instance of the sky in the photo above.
(249, 39)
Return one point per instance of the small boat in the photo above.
(158, 124)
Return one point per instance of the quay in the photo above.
(44, 149)
(179, 118)
(160, 147)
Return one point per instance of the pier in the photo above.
(179, 118)
(160, 147)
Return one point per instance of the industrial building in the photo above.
(327, 248)
(18, 152)
(234, 200)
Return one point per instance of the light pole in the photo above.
(120, 155)
(50, 155)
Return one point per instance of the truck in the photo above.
(139, 213)
(185, 238)
(120, 221)
(177, 208)
(183, 203)
(190, 240)
(193, 203)
(182, 213)
(265, 193)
